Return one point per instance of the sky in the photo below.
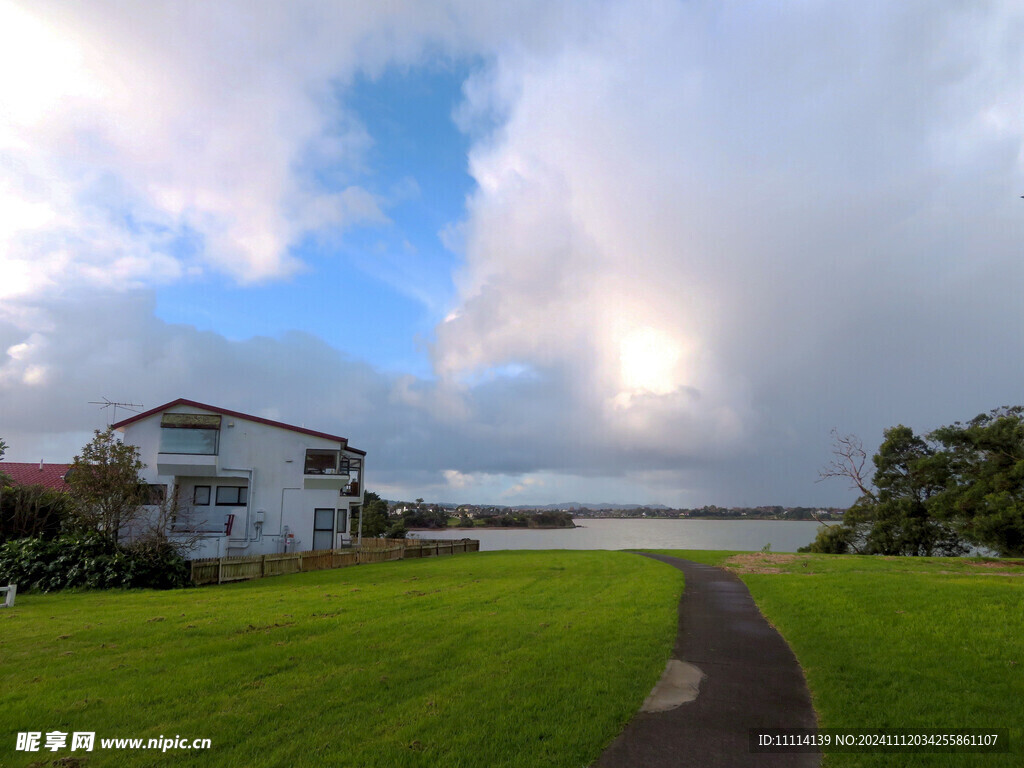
(528, 252)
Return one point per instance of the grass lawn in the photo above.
(490, 659)
(899, 642)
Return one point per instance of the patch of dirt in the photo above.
(999, 565)
(758, 562)
(263, 628)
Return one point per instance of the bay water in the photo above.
(607, 533)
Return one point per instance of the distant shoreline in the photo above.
(634, 519)
(500, 528)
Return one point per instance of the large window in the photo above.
(201, 495)
(322, 462)
(232, 495)
(189, 433)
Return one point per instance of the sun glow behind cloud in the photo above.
(42, 64)
(649, 360)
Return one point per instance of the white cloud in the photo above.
(129, 130)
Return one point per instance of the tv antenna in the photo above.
(105, 403)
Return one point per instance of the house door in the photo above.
(323, 528)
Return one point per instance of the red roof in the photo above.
(224, 411)
(46, 475)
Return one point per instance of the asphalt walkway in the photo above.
(743, 676)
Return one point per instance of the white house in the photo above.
(248, 485)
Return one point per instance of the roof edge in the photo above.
(237, 414)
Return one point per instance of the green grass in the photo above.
(490, 659)
(901, 643)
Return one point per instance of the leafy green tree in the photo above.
(425, 518)
(104, 481)
(908, 475)
(375, 516)
(984, 497)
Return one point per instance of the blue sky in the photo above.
(640, 251)
(378, 290)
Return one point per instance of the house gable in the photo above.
(238, 415)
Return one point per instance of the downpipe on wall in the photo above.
(232, 543)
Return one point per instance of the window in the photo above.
(201, 495)
(190, 433)
(321, 462)
(232, 495)
(323, 529)
(155, 494)
(342, 526)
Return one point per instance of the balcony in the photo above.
(186, 464)
(332, 471)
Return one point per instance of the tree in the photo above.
(425, 518)
(908, 474)
(104, 481)
(377, 521)
(375, 515)
(894, 514)
(984, 497)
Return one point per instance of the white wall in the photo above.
(273, 458)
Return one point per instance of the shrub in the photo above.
(89, 561)
(158, 565)
(33, 511)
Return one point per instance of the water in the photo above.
(744, 535)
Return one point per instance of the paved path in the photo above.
(751, 679)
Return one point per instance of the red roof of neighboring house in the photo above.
(46, 475)
(224, 411)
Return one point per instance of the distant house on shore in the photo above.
(243, 484)
(47, 475)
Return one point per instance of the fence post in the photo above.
(220, 568)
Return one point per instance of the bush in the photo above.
(89, 561)
(831, 540)
(33, 511)
(158, 565)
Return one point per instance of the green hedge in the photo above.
(90, 561)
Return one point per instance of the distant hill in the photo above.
(588, 505)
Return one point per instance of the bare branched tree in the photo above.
(172, 521)
(848, 460)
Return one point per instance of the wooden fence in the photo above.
(219, 570)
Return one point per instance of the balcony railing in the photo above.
(333, 470)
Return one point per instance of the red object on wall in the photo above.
(229, 524)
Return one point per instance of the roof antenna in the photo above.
(105, 403)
